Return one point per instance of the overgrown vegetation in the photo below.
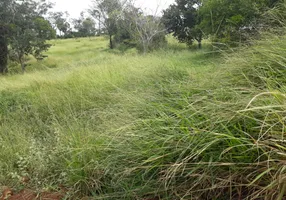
(172, 124)
(227, 22)
(175, 124)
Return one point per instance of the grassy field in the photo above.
(173, 124)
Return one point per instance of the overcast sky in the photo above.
(74, 7)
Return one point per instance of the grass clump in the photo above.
(174, 124)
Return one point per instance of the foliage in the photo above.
(182, 20)
(156, 126)
(174, 124)
(146, 31)
(85, 26)
(128, 26)
(28, 30)
(225, 20)
(5, 18)
(88, 26)
(275, 18)
(221, 20)
(59, 21)
(107, 13)
(3, 51)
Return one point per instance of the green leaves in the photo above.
(225, 21)
(28, 29)
(182, 19)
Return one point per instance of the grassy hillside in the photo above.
(174, 124)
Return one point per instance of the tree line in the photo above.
(222, 21)
(26, 25)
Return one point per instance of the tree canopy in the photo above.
(107, 13)
(182, 19)
(24, 29)
(221, 20)
(85, 26)
(59, 21)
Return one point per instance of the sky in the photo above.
(74, 7)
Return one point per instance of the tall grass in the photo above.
(174, 124)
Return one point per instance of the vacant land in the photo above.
(173, 124)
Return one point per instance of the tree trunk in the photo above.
(22, 62)
(199, 40)
(99, 31)
(110, 42)
(144, 48)
(23, 66)
(199, 44)
(3, 52)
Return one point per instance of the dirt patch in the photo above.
(26, 194)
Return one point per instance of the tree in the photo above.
(107, 12)
(85, 26)
(28, 30)
(5, 19)
(147, 30)
(60, 22)
(232, 21)
(3, 50)
(88, 26)
(135, 28)
(225, 21)
(96, 15)
(182, 20)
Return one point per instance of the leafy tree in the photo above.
(107, 12)
(223, 20)
(28, 30)
(182, 19)
(84, 26)
(3, 50)
(59, 21)
(6, 11)
(125, 22)
(88, 26)
(232, 20)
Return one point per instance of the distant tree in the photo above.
(182, 20)
(77, 23)
(88, 26)
(96, 15)
(85, 26)
(60, 21)
(147, 31)
(107, 12)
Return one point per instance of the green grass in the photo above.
(172, 124)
